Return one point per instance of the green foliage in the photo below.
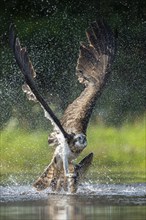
(122, 146)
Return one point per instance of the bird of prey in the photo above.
(69, 135)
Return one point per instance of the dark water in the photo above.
(92, 201)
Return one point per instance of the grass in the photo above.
(115, 150)
(122, 146)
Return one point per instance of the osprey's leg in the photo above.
(65, 165)
(66, 168)
(69, 176)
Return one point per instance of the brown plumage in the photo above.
(55, 179)
(69, 136)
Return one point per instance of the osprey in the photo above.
(69, 135)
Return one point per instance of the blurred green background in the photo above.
(52, 31)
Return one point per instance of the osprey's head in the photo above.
(78, 142)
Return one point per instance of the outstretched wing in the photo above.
(92, 70)
(29, 87)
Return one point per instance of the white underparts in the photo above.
(62, 149)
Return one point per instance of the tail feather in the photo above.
(52, 177)
(47, 178)
(55, 179)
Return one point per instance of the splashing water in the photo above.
(133, 193)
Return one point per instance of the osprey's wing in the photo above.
(29, 87)
(92, 69)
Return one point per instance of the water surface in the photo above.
(92, 201)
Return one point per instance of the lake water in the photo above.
(92, 201)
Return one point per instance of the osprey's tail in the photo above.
(55, 179)
(47, 178)
(52, 177)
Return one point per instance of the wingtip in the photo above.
(87, 160)
(12, 36)
(11, 26)
(90, 156)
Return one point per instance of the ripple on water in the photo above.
(135, 192)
